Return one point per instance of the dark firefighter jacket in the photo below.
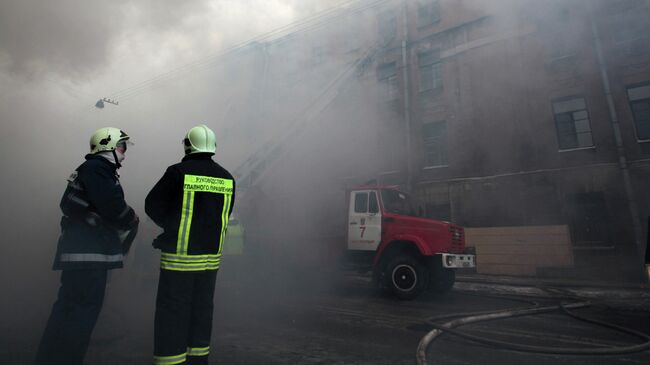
(94, 212)
(192, 203)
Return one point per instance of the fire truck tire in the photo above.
(443, 280)
(406, 277)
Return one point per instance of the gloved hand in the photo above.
(155, 243)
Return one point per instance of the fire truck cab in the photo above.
(407, 254)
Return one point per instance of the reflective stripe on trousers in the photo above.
(177, 359)
(169, 360)
(79, 257)
(198, 351)
(169, 261)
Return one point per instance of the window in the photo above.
(388, 24)
(428, 12)
(387, 75)
(572, 123)
(397, 202)
(373, 205)
(640, 103)
(361, 202)
(435, 143)
(430, 70)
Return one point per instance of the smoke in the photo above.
(75, 39)
(313, 93)
(66, 36)
(56, 60)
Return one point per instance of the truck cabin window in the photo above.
(373, 205)
(361, 202)
(396, 202)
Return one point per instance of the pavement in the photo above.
(555, 282)
(285, 322)
(620, 296)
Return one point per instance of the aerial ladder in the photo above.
(252, 169)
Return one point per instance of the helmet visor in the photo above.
(123, 145)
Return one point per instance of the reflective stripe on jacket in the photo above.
(192, 203)
(93, 207)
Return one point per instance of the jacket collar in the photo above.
(198, 156)
(90, 156)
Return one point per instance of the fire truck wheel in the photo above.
(406, 277)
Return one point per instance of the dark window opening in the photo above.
(640, 104)
(361, 202)
(373, 205)
(428, 12)
(434, 137)
(572, 124)
(388, 24)
(430, 68)
(387, 76)
(397, 202)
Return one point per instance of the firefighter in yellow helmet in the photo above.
(97, 227)
(192, 203)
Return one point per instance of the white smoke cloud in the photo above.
(74, 38)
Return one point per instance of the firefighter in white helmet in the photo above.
(192, 203)
(97, 227)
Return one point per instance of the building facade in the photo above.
(531, 113)
(491, 113)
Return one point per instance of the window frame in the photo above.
(571, 113)
(434, 66)
(373, 203)
(432, 8)
(637, 101)
(442, 148)
(388, 81)
(356, 201)
(387, 24)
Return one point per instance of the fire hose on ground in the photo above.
(449, 326)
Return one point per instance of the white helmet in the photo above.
(200, 139)
(107, 139)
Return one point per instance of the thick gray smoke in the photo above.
(75, 39)
(311, 93)
(56, 60)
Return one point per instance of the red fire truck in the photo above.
(406, 254)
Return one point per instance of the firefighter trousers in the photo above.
(74, 314)
(183, 320)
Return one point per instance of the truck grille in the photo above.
(457, 239)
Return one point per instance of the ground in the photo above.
(283, 318)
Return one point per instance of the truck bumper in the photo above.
(456, 261)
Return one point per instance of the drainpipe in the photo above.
(407, 109)
(616, 127)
